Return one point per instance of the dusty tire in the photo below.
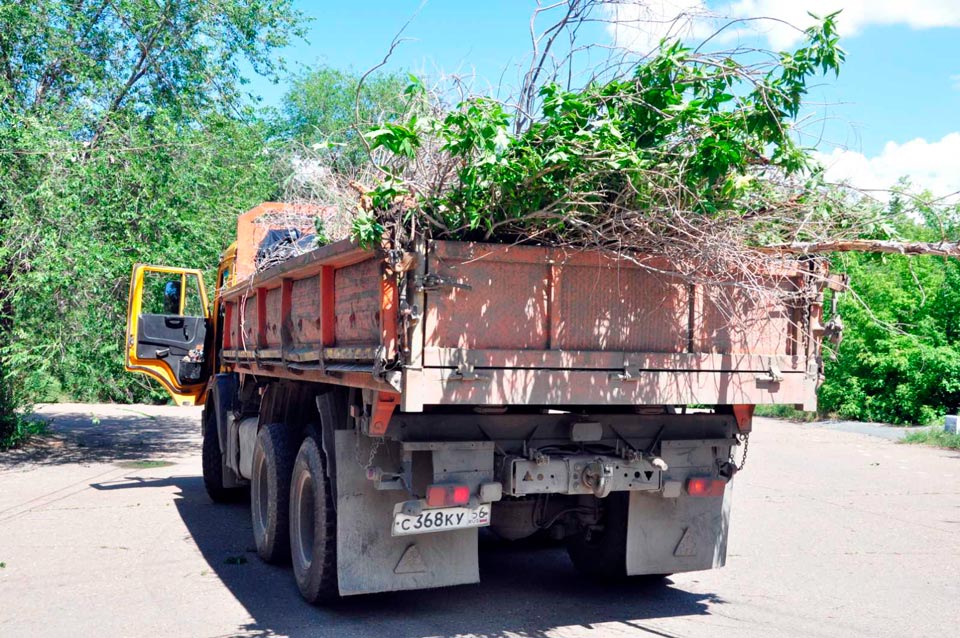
(213, 463)
(603, 554)
(273, 457)
(313, 526)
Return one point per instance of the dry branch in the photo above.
(940, 249)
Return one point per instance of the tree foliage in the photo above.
(688, 155)
(899, 361)
(323, 110)
(122, 139)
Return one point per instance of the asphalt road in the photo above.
(106, 531)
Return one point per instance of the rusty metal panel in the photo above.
(305, 312)
(609, 308)
(357, 303)
(248, 321)
(273, 318)
(505, 307)
(231, 325)
(733, 319)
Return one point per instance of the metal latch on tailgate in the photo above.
(773, 376)
(433, 281)
(465, 372)
(630, 373)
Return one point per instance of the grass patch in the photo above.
(15, 429)
(784, 412)
(936, 437)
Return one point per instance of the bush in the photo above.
(899, 361)
(15, 429)
(785, 412)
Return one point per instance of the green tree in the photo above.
(123, 138)
(899, 361)
(320, 111)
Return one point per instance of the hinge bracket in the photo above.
(433, 281)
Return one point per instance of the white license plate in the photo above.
(438, 520)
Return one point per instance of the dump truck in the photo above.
(381, 406)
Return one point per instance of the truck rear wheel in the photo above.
(273, 457)
(313, 526)
(213, 462)
(602, 553)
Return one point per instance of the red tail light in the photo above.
(447, 495)
(699, 486)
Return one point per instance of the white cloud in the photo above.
(934, 166)
(639, 24)
(857, 14)
(955, 81)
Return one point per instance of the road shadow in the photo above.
(80, 436)
(526, 590)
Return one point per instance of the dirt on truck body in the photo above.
(382, 405)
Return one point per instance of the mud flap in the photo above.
(369, 558)
(671, 535)
(684, 533)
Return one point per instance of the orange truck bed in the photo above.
(490, 324)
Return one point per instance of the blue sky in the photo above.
(895, 109)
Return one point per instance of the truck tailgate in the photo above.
(525, 324)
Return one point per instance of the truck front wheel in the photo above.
(273, 457)
(313, 526)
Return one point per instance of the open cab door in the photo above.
(167, 317)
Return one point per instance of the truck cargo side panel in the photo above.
(369, 558)
(734, 320)
(272, 318)
(305, 312)
(616, 308)
(506, 306)
(357, 305)
(248, 316)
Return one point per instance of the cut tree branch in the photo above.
(940, 249)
